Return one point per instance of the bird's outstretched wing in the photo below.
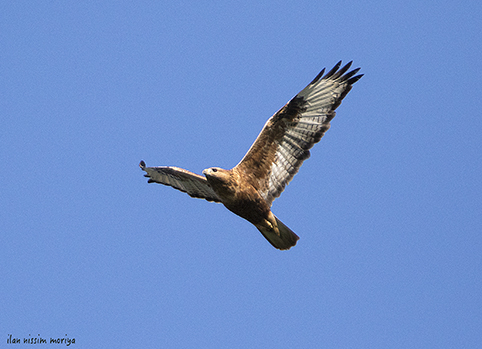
(195, 185)
(284, 142)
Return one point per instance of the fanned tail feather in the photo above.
(286, 238)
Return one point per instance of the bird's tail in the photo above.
(282, 241)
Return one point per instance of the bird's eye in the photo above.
(215, 170)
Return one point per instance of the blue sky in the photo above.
(388, 207)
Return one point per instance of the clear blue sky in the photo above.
(388, 207)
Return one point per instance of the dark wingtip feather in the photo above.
(337, 73)
(342, 70)
(333, 70)
(347, 76)
(318, 76)
(355, 78)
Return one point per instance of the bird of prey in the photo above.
(250, 188)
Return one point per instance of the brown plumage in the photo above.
(250, 188)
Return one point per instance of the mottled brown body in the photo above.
(246, 202)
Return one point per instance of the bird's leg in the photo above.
(270, 223)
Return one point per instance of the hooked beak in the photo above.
(209, 172)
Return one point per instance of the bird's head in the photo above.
(217, 174)
(212, 172)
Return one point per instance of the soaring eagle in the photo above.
(250, 188)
